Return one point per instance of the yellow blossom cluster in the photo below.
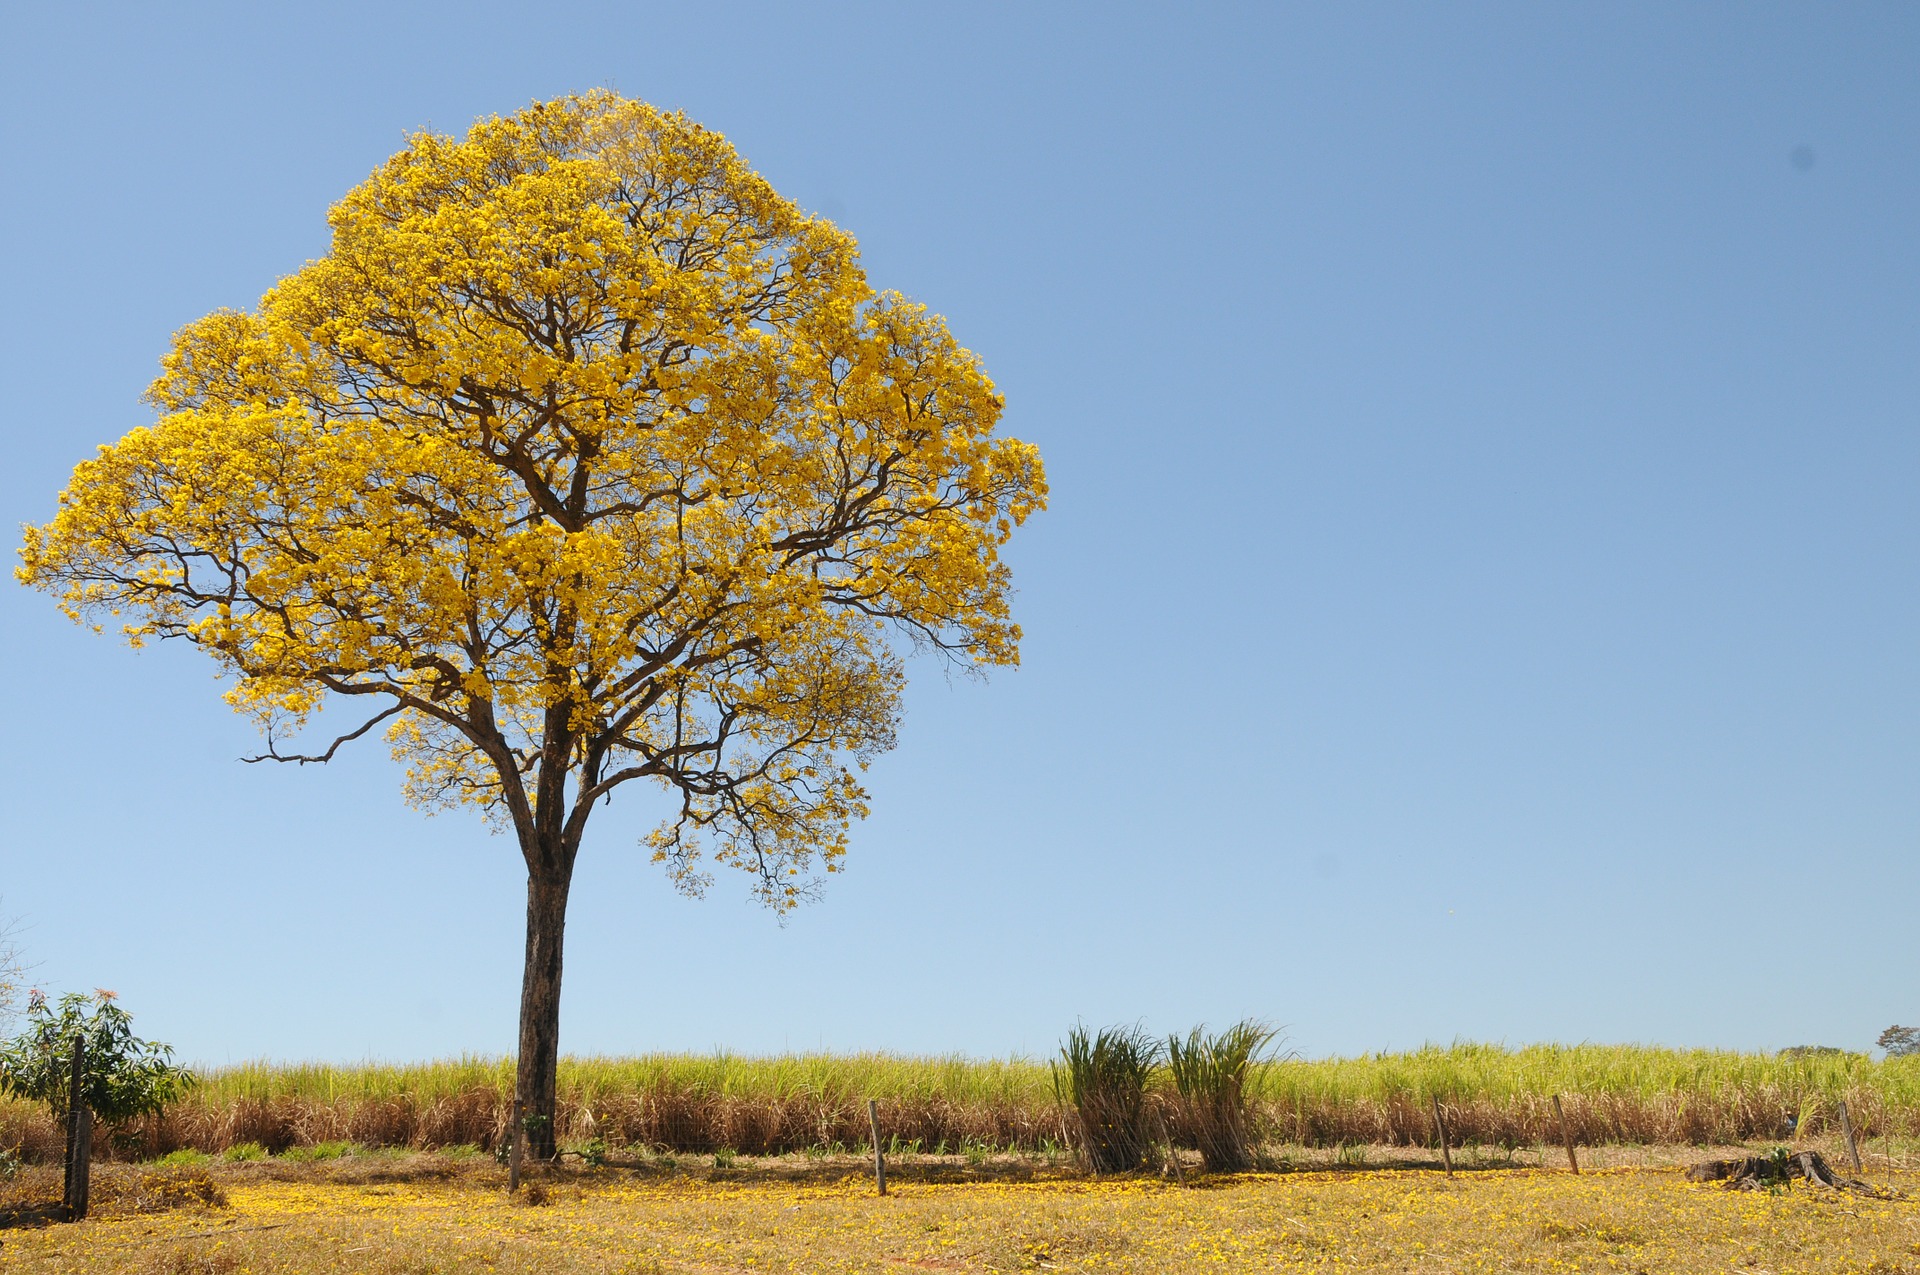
(1396, 1220)
(583, 456)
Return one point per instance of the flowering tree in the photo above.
(581, 458)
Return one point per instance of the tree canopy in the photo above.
(582, 457)
(122, 1076)
(593, 459)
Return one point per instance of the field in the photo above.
(728, 1164)
(416, 1214)
(1494, 1097)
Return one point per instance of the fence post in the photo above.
(1566, 1134)
(79, 1136)
(515, 1137)
(1853, 1151)
(879, 1153)
(1440, 1127)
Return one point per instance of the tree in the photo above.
(13, 970)
(123, 1076)
(1900, 1042)
(581, 458)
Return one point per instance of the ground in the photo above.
(413, 1216)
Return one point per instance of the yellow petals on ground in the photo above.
(1630, 1219)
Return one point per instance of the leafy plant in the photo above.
(1102, 1080)
(243, 1151)
(186, 1156)
(122, 1076)
(1212, 1074)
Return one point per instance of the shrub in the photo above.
(1102, 1082)
(124, 1077)
(184, 1156)
(1211, 1073)
(245, 1151)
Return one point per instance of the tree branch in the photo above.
(271, 755)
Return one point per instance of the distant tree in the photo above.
(123, 1076)
(583, 457)
(1900, 1042)
(13, 972)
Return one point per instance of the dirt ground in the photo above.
(1361, 1209)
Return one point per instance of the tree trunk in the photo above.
(540, 1008)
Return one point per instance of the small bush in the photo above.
(185, 1156)
(1101, 1080)
(1211, 1073)
(592, 1152)
(242, 1151)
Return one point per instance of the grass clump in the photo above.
(184, 1157)
(241, 1152)
(319, 1151)
(1101, 1082)
(1211, 1074)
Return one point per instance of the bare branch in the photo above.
(303, 759)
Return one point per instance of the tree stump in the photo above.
(1761, 1172)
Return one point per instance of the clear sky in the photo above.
(1478, 600)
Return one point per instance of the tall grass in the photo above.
(1101, 1080)
(1213, 1075)
(761, 1105)
(1612, 1093)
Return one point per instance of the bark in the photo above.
(540, 1006)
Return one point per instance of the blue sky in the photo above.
(1478, 598)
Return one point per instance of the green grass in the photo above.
(1497, 1073)
(700, 1104)
(954, 1078)
(1453, 1072)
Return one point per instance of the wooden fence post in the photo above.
(1853, 1151)
(879, 1152)
(515, 1137)
(1566, 1134)
(1440, 1127)
(79, 1137)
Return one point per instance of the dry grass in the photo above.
(424, 1216)
(1494, 1097)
